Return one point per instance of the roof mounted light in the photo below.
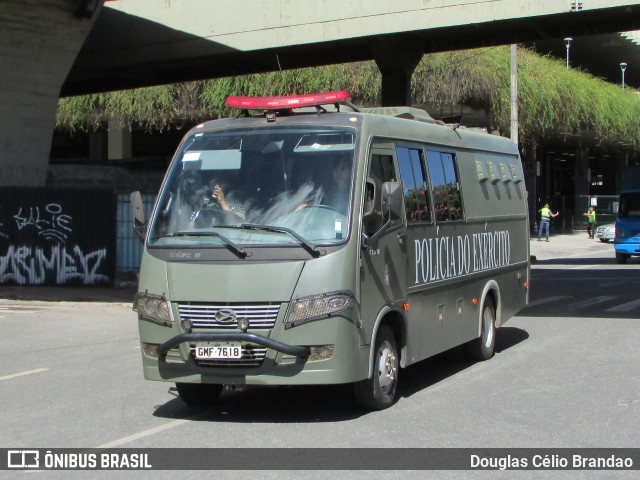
(287, 102)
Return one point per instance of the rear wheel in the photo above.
(379, 391)
(621, 258)
(199, 393)
(482, 348)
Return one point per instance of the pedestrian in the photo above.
(545, 218)
(591, 219)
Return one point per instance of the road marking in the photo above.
(625, 307)
(21, 374)
(144, 433)
(592, 301)
(542, 301)
(18, 309)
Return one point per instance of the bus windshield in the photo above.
(224, 184)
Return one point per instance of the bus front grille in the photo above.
(203, 316)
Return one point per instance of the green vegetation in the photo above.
(552, 98)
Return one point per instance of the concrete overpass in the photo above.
(133, 43)
(137, 43)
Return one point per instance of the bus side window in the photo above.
(414, 184)
(446, 187)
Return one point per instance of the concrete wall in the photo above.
(38, 45)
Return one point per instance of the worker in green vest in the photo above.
(591, 222)
(545, 218)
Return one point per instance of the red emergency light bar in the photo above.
(291, 101)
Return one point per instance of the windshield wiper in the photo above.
(239, 251)
(308, 246)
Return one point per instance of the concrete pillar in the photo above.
(582, 172)
(397, 61)
(39, 43)
(119, 141)
(621, 161)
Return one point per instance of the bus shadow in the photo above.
(270, 404)
(431, 371)
(322, 403)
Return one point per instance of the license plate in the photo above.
(222, 351)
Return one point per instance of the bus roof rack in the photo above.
(402, 112)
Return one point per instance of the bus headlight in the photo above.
(153, 307)
(317, 307)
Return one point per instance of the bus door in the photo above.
(426, 307)
(383, 267)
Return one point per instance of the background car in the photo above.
(606, 232)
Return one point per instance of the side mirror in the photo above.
(392, 197)
(137, 210)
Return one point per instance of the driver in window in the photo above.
(218, 185)
(334, 193)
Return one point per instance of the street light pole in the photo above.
(567, 42)
(623, 67)
(514, 93)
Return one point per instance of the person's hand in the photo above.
(218, 195)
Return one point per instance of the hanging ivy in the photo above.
(552, 98)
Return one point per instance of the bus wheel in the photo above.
(621, 258)
(379, 391)
(199, 393)
(482, 347)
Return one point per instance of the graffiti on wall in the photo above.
(50, 239)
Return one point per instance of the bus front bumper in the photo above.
(295, 350)
(628, 248)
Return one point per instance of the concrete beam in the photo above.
(142, 43)
(39, 43)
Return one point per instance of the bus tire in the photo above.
(621, 258)
(379, 391)
(196, 394)
(482, 348)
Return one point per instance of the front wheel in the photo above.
(482, 348)
(621, 258)
(196, 394)
(379, 391)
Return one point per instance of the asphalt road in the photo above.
(564, 375)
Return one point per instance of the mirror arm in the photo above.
(371, 241)
(140, 231)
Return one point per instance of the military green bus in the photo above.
(308, 241)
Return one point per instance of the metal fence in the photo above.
(128, 246)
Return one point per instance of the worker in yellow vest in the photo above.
(545, 218)
(591, 219)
